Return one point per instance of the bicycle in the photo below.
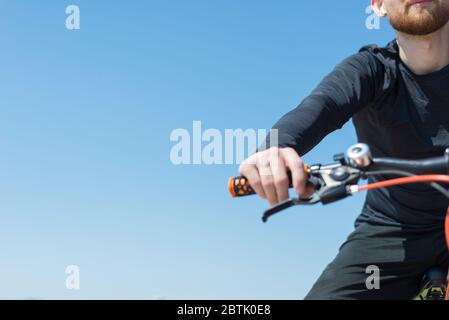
(339, 180)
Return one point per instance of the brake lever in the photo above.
(288, 204)
(313, 181)
(331, 183)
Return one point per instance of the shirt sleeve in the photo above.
(350, 87)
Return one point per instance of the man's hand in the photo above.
(267, 172)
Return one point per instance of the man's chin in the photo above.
(421, 19)
(419, 26)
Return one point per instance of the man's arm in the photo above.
(351, 86)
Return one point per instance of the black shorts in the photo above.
(401, 255)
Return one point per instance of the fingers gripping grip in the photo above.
(240, 187)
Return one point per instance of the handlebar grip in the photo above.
(240, 187)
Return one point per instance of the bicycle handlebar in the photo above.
(438, 165)
(240, 187)
(339, 180)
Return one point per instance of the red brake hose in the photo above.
(406, 180)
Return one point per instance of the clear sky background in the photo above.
(85, 122)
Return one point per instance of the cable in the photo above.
(434, 185)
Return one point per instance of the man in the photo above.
(398, 98)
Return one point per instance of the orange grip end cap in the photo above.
(231, 187)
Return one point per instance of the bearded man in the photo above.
(398, 99)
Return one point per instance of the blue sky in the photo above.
(85, 123)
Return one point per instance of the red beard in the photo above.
(421, 21)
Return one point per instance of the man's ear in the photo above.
(379, 7)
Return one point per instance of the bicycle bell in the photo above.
(359, 155)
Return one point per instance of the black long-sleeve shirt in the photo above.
(396, 112)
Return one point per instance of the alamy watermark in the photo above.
(73, 279)
(216, 147)
(73, 20)
(373, 280)
(372, 22)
